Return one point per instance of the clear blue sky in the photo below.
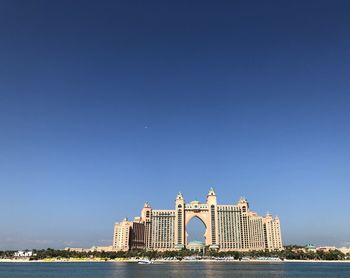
(105, 105)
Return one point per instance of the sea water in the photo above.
(175, 269)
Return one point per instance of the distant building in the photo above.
(77, 249)
(309, 248)
(312, 248)
(102, 248)
(345, 250)
(228, 227)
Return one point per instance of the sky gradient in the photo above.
(105, 105)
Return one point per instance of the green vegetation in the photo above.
(51, 253)
(290, 252)
(6, 254)
(297, 254)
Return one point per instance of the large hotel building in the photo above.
(228, 227)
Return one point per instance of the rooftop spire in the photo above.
(211, 192)
(179, 196)
(242, 199)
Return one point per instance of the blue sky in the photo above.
(105, 105)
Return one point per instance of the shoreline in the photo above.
(161, 261)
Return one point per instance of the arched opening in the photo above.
(195, 230)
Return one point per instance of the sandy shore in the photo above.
(316, 261)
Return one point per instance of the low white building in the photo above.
(24, 254)
(195, 245)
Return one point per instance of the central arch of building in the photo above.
(206, 212)
(202, 214)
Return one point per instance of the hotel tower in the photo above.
(228, 227)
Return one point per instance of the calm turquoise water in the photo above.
(200, 269)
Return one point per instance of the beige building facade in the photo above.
(121, 238)
(227, 227)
